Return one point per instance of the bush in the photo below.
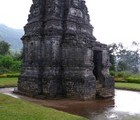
(13, 75)
(127, 77)
(112, 73)
(6, 61)
(3, 70)
(118, 79)
(3, 75)
(8, 64)
(16, 66)
(133, 79)
(123, 74)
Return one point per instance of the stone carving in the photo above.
(76, 12)
(61, 56)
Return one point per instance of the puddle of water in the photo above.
(6, 90)
(124, 106)
(127, 101)
(12, 95)
(9, 91)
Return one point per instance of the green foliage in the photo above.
(122, 74)
(119, 79)
(14, 75)
(17, 56)
(6, 61)
(112, 73)
(127, 77)
(4, 70)
(133, 80)
(16, 66)
(3, 75)
(7, 64)
(17, 109)
(10, 75)
(4, 48)
(9, 61)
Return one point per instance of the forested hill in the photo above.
(12, 36)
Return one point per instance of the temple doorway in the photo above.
(97, 59)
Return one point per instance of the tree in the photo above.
(4, 48)
(17, 56)
(6, 61)
(112, 48)
(135, 57)
(122, 66)
(125, 59)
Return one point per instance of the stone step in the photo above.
(105, 93)
(98, 85)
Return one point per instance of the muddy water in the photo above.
(124, 106)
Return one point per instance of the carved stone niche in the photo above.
(76, 2)
(36, 2)
(76, 12)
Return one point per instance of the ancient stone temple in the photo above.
(61, 56)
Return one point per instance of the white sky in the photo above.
(113, 20)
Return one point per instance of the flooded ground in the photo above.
(124, 106)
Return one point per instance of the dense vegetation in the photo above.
(9, 61)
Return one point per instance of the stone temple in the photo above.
(61, 57)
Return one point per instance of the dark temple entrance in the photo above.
(97, 64)
(98, 71)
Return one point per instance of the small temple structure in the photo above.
(61, 57)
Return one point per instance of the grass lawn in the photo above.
(8, 82)
(17, 109)
(128, 86)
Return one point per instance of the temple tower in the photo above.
(61, 55)
(77, 52)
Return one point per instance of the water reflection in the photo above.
(124, 106)
(127, 101)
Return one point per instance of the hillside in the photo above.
(12, 36)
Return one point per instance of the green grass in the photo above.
(8, 82)
(128, 86)
(17, 109)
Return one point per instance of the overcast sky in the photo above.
(113, 20)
